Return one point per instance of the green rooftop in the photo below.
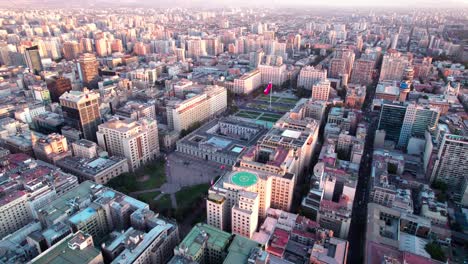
(239, 250)
(217, 239)
(244, 179)
(61, 253)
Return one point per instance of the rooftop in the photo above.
(244, 179)
(63, 252)
(215, 239)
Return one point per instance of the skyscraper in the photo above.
(362, 72)
(81, 111)
(451, 165)
(402, 121)
(309, 76)
(71, 50)
(58, 86)
(33, 59)
(393, 65)
(88, 68)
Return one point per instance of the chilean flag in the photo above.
(268, 88)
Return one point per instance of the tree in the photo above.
(435, 251)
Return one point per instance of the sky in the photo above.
(242, 3)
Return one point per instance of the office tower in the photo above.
(393, 65)
(195, 48)
(362, 72)
(391, 120)
(321, 90)
(102, 47)
(275, 74)
(135, 140)
(182, 114)
(213, 46)
(256, 58)
(33, 59)
(86, 45)
(51, 148)
(58, 86)
(402, 121)
(451, 165)
(116, 45)
(247, 83)
(309, 75)
(337, 68)
(88, 68)
(348, 56)
(81, 111)
(180, 53)
(71, 50)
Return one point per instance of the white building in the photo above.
(309, 76)
(135, 140)
(321, 90)
(275, 74)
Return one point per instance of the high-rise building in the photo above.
(195, 48)
(337, 68)
(321, 90)
(81, 111)
(402, 121)
(135, 140)
(33, 59)
(88, 68)
(309, 75)
(362, 72)
(393, 65)
(58, 86)
(451, 165)
(274, 74)
(71, 50)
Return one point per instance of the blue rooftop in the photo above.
(219, 142)
(82, 215)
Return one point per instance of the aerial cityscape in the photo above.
(229, 132)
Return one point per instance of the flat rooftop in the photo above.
(62, 253)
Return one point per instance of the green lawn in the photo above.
(189, 198)
(163, 203)
(188, 195)
(288, 100)
(148, 197)
(128, 182)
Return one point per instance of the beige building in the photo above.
(135, 140)
(277, 75)
(247, 83)
(182, 114)
(14, 212)
(84, 149)
(51, 148)
(309, 76)
(245, 214)
(321, 90)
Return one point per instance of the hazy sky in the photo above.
(243, 3)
